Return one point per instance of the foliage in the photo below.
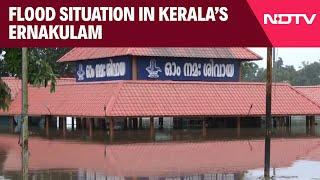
(283, 73)
(42, 69)
(5, 96)
(251, 72)
(308, 74)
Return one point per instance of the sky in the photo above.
(290, 56)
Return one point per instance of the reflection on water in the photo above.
(170, 154)
(86, 174)
(301, 169)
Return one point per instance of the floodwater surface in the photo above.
(170, 154)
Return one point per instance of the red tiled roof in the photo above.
(312, 92)
(63, 81)
(14, 84)
(165, 98)
(77, 54)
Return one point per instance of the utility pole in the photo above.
(273, 63)
(268, 115)
(24, 130)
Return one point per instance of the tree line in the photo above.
(307, 75)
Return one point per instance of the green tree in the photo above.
(251, 72)
(5, 97)
(308, 75)
(283, 73)
(43, 69)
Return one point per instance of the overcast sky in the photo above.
(290, 56)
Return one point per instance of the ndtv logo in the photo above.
(288, 19)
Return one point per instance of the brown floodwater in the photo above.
(169, 154)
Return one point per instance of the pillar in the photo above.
(47, 124)
(96, 123)
(288, 125)
(204, 128)
(290, 121)
(11, 123)
(312, 125)
(60, 122)
(111, 129)
(130, 123)
(140, 123)
(106, 124)
(289, 117)
(90, 126)
(125, 125)
(64, 126)
(175, 125)
(83, 122)
(312, 120)
(152, 132)
(238, 125)
(72, 123)
(160, 122)
(285, 123)
(135, 123)
(103, 124)
(78, 123)
(308, 122)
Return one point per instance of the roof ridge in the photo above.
(170, 82)
(66, 78)
(200, 82)
(90, 83)
(315, 86)
(65, 55)
(116, 91)
(250, 51)
(240, 53)
(160, 82)
(129, 51)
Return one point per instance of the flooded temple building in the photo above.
(115, 89)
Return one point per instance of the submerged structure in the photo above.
(150, 88)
